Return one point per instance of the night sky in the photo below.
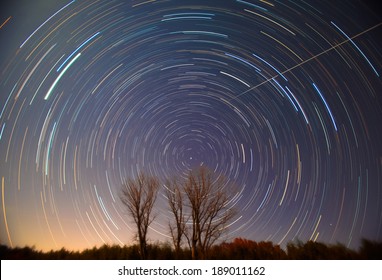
(284, 98)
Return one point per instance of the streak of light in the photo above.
(32, 71)
(285, 189)
(161, 233)
(145, 2)
(241, 115)
(301, 224)
(351, 41)
(282, 44)
(5, 22)
(250, 149)
(270, 65)
(243, 152)
(107, 76)
(177, 16)
(13, 128)
(323, 37)
(268, 3)
(43, 80)
(278, 24)
(236, 78)
(281, 241)
(252, 5)
(298, 171)
(265, 197)
(323, 128)
(355, 219)
(315, 239)
(287, 95)
(6, 102)
(42, 135)
(56, 212)
(48, 35)
(38, 28)
(311, 58)
(2, 130)
(108, 185)
(46, 220)
(103, 207)
(293, 100)
(76, 50)
(350, 120)
(272, 134)
(315, 228)
(75, 167)
(50, 144)
(4, 212)
(121, 218)
(98, 223)
(189, 14)
(227, 226)
(64, 160)
(94, 227)
(20, 160)
(366, 199)
(82, 233)
(243, 60)
(299, 105)
(327, 106)
(120, 242)
(59, 76)
(177, 65)
(199, 32)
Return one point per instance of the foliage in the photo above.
(238, 249)
(244, 249)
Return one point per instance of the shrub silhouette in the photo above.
(244, 249)
(238, 249)
(319, 251)
(371, 250)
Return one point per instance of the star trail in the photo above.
(283, 98)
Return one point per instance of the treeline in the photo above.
(238, 249)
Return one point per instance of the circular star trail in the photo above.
(283, 98)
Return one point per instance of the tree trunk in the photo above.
(194, 250)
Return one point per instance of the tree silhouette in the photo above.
(139, 196)
(210, 212)
(175, 198)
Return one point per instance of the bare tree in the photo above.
(210, 211)
(175, 201)
(139, 195)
